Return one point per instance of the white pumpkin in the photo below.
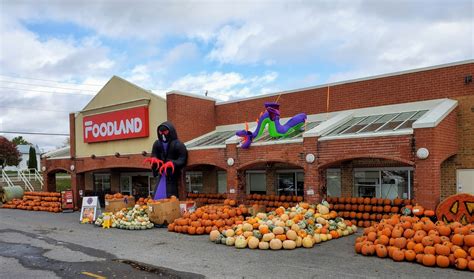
(230, 241)
(263, 245)
(240, 242)
(308, 242)
(289, 245)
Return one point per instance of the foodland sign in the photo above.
(116, 125)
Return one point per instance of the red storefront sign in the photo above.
(121, 124)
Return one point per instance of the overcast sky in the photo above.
(55, 55)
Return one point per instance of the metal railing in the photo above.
(25, 180)
(34, 174)
(6, 178)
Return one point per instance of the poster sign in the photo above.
(116, 125)
(67, 201)
(90, 209)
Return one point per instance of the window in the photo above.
(376, 123)
(194, 181)
(333, 182)
(387, 183)
(257, 183)
(101, 183)
(221, 182)
(290, 183)
(126, 185)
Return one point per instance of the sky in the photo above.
(55, 55)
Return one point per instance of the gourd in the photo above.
(263, 245)
(275, 244)
(229, 233)
(291, 235)
(247, 227)
(289, 244)
(317, 238)
(299, 241)
(268, 237)
(253, 242)
(230, 241)
(223, 240)
(308, 242)
(322, 209)
(240, 242)
(278, 230)
(257, 234)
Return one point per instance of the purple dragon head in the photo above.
(246, 135)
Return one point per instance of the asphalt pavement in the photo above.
(46, 245)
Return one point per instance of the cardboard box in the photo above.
(118, 204)
(165, 212)
(187, 206)
(256, 208)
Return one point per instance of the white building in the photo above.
(24, 150)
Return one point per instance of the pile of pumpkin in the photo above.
(272, 202)
(366, 212)
(117, 196)
(208, 218)
(134, 218)
(37, 201)
(303, 225)
(201, 198)
(414, 239)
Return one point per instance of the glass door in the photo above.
(367, 184)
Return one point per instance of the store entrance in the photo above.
(136, 184)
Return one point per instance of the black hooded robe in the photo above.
(177, 154)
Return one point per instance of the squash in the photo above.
(247, 227)
(308, 242)
(229, 233)
(214, 234)
(240, 242)
(317, 238)
(268, 237)
(263, 245)
(291, 235)
(230, 241)
(289, 244)
(299, 241)
(253, 242)
(276, 244)
(278, 230)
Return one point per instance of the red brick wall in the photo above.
(191, 116)
(441, 142)
(445, 82)
(397, 148)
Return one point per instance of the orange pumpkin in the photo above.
(429, 260)
(442, 261)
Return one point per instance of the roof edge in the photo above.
(422, 69)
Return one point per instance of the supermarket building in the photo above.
(407, 134)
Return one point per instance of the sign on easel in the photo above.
(90, 209)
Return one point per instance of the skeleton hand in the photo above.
(153, 161)
(165, 166)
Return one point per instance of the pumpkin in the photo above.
(268, 237)
(460, 253)
(457, 239)
(381, 251)
(253, 242)
(289, 244)
(263, 245)
(230, 241)
(229, 233)
(367, 249)
(398, 255)
(291, 235)
(461, 263)
(247, 227)
(410, 255)
(276, 244)
(307, 242)
(429, 260)
(214, 234)
(442, 250)
(278, 230)
(469, 240)
(470, 265)
(442, 261)
(240, 242)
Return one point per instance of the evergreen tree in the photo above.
(32, 162)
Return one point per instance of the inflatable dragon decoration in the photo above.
(271, 117)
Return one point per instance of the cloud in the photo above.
(225, 86)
